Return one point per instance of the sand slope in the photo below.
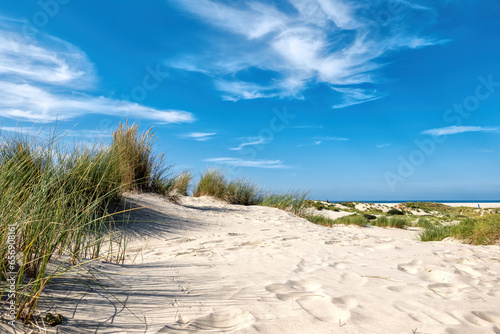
(207, 267)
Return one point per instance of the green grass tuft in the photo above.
(320, 220)
(479, 231)
(293, 201)
(353, 220)
(58, 203)
(212, 183)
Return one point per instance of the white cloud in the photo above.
(330, 138)
(57, 62)
(384, 145)
(38, 78)
(317, 142)
(201, 136)
(486, 151)
(31, 103)
(254, 20)
(337, 42)
(451, 130)
(46, 132)
(353, 96)
(257, 141)
(306, 127)
(272, 164)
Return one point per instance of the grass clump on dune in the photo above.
(56, 204)
(479, 231)
(425, 223)
(397, 222)
(214, 182)
(318, 205)
(139, 168)
(320, 220)
(243, 192)
(181, 183)
(353, 220)
(293, 201)
(172, 187)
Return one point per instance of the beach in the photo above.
(207, 266)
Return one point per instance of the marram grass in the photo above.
(214, 182)
(56, 205)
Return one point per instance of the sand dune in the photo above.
(206, 266)
(490, 205)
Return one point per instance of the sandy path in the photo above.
(211, 267)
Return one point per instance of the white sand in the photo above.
(211, 267)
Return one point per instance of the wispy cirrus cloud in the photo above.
(57, 62)
(353, 96)
(43, 80)
(384, 145)
(251, 141)
(31, 103)
(330, 138)
(45, 132)
(268, 164)
(302, 43)
(200, 136)
(452, 130)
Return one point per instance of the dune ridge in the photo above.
(206, 266)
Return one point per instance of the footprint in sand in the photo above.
(218, 322)
(184, 290)
(411, 268)
(311, 298)
(309, 265)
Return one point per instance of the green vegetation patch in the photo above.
(395, 212)
(479, 231)
(356, 219)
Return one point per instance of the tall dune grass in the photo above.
(211, 183)
(57, 204)
(479, 231)
(139, 167)
(293, 201)
(244, 192)
(215, 182)
(181, 183)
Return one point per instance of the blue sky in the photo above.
(351, 100)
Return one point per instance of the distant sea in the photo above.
(419, 200)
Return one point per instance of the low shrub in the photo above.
(394, 211)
